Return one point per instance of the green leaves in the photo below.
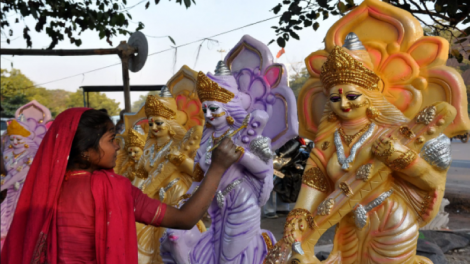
(172, 40)
(147, 5)
(281, 42)
(316, 26)
(277, 8)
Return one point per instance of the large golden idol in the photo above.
(380, 105)
(165, 169)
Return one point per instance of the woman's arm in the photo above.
(193, 210)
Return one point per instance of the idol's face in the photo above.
(17, 141)
(348, 102)
(134, 153)
(159, 126)
(214, 113)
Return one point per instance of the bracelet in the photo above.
(314, 178)
(241, 150)
(198, 173)
(403, 161)
(176, 159)
(300, 212)
(141, 173)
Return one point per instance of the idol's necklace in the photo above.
(352, 155)
(350, 138)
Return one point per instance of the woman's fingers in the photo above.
(226, 153)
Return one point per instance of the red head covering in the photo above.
(32, 237)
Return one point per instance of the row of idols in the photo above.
(379, 105)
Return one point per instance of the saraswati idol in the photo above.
(248, 100)
(24, 135)
(166, 167)
(379, 111)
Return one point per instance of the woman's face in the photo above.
(158, 126)
(135, 153)
(105, 158)
(348, 102)
(214, 114)
(17, 141)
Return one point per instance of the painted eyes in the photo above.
(350, 97)
(212, 109)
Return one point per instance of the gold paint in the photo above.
(267, 240)
(176, 159)
(14, 128)
(346, 189)
(372, 112)
(403, 161)
(342, 68)
(218, 115)
(315, 178)
(355, 106)
(363, 173)
(332, 117)
(407, 132)
(297, 214)
(208, 90)
(198, 173)
(230, 120)
(441, 122)
(154, 107)
(420, 140)
(135, 139)
(325, 145)
(431, 130)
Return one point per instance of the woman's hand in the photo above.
(225, 155)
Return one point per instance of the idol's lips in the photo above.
(346, 110)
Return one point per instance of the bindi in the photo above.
(340, 90)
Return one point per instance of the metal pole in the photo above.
(84, 101)
(87, 99)
(125, 80)
(40, 52)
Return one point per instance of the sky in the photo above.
(206, 18)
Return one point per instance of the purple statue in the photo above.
(24, 135)
(247, 99)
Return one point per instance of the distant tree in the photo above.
(12, 103)
(68, 18)
(97, 101)
(447, 15)
(297, 80)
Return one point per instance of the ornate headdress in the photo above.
(16, 129)
(135, 139)
(342, 68)
(154, 107)
(208, 90)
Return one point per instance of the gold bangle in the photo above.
(403, 161)
(198, 173)
(241, 150)
(314, 178)
(300, 212)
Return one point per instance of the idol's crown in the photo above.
(154, 107)
(135, 139)
(16, 129)
(208, 90)
(342, 68)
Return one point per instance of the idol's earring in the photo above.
(230, 120)
(10, 147)
(372, 112)
(171, 132)
(332, 117)
(26, 145)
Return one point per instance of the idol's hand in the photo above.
(391, 152)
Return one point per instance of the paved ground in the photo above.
(457, 190)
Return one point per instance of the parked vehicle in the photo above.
(3, 125)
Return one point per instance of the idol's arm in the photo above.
(256, 166)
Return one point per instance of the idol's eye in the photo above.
(335, 99)
(213, 109)
(150, 124)
(204, 110)
(159, 123)
(352, 97)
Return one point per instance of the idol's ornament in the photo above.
(165, 169)
(24, 135)
(248, 100)
(380, 105)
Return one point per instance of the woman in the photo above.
(364, 173)
(75, 209)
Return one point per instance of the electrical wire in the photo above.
(158, 52)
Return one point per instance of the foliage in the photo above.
(297, 80)
(301, 14)
(17, 90)
(68, 18)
